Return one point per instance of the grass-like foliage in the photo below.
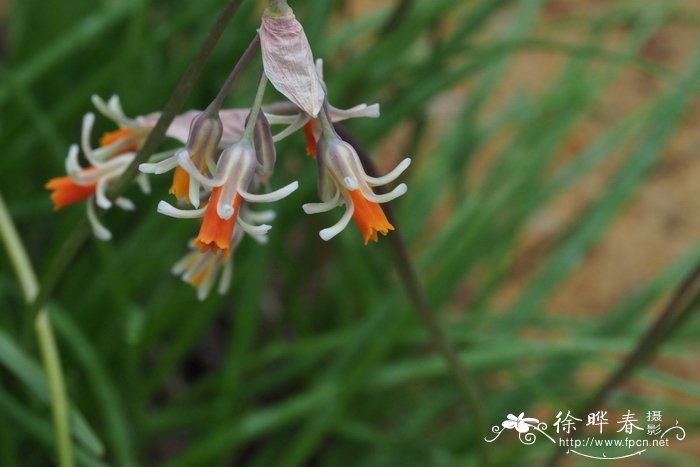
(316, 356)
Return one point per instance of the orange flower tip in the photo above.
(181, 185)
(369, 217)
(310, 140)
(65, 191)
(119, 135)
(373, 235)
(213, 246)
(197, 280)
(215, 233)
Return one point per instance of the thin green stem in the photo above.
(255, 108)
(178, 97)
(425, 311)
(16, 252)
(231, 79)
(47, 343)
(329, 131)
(278, 8)
(397, 16)
(57, 388)
(80, 233)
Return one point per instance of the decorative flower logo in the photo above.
(521, 424)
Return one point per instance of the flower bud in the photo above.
(205, 134)
(264, 146)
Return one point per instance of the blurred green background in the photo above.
(552, 207)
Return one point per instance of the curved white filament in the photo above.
(125, 203)
(157, 168)
(98, 229)
(183, 159)
(315, 208)
(258, 216)
(269, 197)
(330, 232)
(392, 195)
(391, 176)
(170, 210)
(253, 230)
(301, 120)
(101, 195)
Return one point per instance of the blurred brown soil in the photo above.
(660, 222)
(653, 230)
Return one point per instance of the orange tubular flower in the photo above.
(235, 173)
(74, 188)
(106, 164)
(205, 133)
(125, 139)
(200, 269)
(86, 183)
(369, 217)
(215, 233)
(310, 139)
(342, 180)
(65, 191)
(181, 185)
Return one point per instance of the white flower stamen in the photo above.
(385, 198)
(157, 168)
(330, 232)
(269, 197)
(171, 211)
(98, 229)
(391, 176)
(125, 203)
(315, 208)
(101, 195)
(260, 216)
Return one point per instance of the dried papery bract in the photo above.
(311, 126)
(288, 60)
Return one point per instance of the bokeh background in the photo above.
(553, 208)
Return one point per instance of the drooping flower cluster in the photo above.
(226, 158)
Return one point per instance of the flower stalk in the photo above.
(255, 108)
(415, 293)
(218, 101)
(57, 388)
(47, 344)
(178, 97)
